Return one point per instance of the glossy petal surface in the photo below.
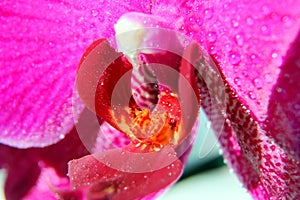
(38, 65)
(255, 46)
(104, 181)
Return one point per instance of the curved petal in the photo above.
(104, 85)
(103, 181)
(250, 43)
(36, 172)
(40, 45)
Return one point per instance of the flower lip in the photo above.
(104, 83)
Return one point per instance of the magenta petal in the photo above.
(256, 47)
(41, 43)
(250, 41)
(39, 172)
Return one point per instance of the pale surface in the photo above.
(216, 184)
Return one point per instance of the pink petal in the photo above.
(250, 41)
(104, 181)
(36, 172)
(41, 43)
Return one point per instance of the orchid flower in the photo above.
(255, 46)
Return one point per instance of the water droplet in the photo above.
(125, 188)
(250, 21)
(235, 58)
(51, 44)
(287, 20)
(268, 78)
(212, 37)
(199, 21)
(277, 59)
(170, 154)
(228, 47)
(234, 23)
(227, 121)
(252, 95)
(208, 13)
(266, 10)
(170, 174)
(101, 18)
(95, 13)
(274, 55)
(239, 39)
(279, 90)
(237, 81)
(258, 83)
(61, 136)
(145, 176)
(264, 29)
(212, 50)
(138, 145)
(254, 58)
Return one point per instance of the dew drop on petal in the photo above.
(228, 47)
(235, 58)
(277, 59)
(252, 95)
(258, 83)
(237, 81)
(287, 21)
(212, 50)
(265, 30)
(212, 37)
(101, 18)
(234, 23)
(268, 78)
(239, 39)
(208, 13)
(297, 107)
(199, 21)
(254, 58)
(279, 90)
(95, 13)
(250, 21)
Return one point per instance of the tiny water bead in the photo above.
(258, 83)
(235, 58)
(94, 12)
(234, 23)
(239, 39)
(212, 37)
